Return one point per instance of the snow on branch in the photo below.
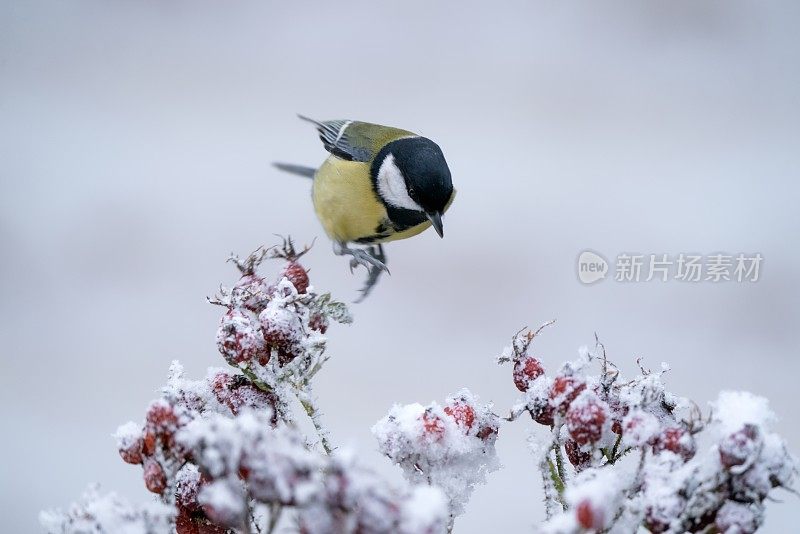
(450, 447)
(96, 512)
(224, 453)
(633, 452)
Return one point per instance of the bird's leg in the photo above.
(379, 255)
(360, 257)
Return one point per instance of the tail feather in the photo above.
(300, 170)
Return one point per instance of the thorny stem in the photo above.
(274, 516)
(548, 483)
(634, 488)
(246, 526)
(557, 473)
(252, 376)
(252, 516)
(560, 468)
(306, 401)
(314, 370)
(613, 457)
(557, 482)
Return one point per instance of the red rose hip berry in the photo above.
(585, 419)
(735, 449)
(433, 425)
(737, 517)
(542, 411)
(221, 386)
(579, 459)
(564, 390)
(131, 452)
(154, 477)
(161, 422)
(588, 515)
(239, 339)
(282, 331)
(462, 413)
(297, 275)
(677, 440)
(526, 370)
(486, 432)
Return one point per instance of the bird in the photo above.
(378, 184)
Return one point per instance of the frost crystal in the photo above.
(634, 456)
(108, 514)
(224, 455)
(450, 447)
(733, 409)
(246, 456)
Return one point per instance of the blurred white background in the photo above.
(135, 148)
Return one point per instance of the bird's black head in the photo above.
(411, 175)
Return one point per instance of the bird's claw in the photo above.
(373, 259)
(367, 260)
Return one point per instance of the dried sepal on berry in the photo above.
(293, 271)
(251, 292)
(520, 343)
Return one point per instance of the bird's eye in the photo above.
(411, 191)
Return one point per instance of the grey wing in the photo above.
(333, 135)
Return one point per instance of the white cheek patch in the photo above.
(392, 186)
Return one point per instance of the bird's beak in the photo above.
(436, 220)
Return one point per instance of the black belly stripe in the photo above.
(403, 219)
(372, 239)
(399, 221)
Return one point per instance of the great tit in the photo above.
(378, 184)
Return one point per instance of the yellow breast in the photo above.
(344, 200)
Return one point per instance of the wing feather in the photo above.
(333, 135)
